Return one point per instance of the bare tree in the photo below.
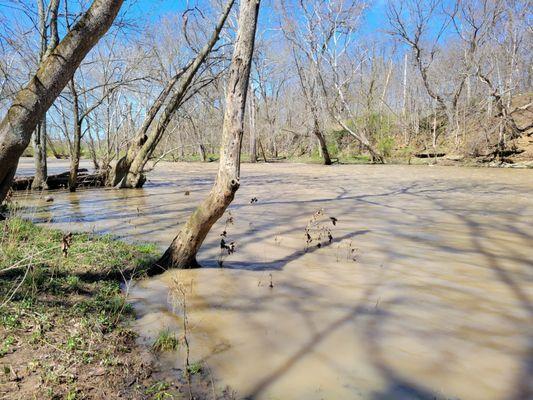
(306, 49)
(336, 63)
(47, 19)
(182, 251)
(128, 171)
(476, 24)
(53, 74)
(411, 22)
(252, 125)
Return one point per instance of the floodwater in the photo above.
(438, 302)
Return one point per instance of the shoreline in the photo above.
(66, 325)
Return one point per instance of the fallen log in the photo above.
(429, 155)
(499, 154)
(60, 181)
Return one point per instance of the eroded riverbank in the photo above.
(437, 303)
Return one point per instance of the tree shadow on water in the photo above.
(279, 264)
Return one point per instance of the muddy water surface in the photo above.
(438, 302)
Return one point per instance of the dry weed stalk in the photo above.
(318, 230)
(226, 248)
(178, 295)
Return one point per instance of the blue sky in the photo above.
(375, 17)
(152, 10)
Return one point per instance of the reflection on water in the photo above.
(438, 303)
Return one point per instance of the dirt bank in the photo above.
(65, 327)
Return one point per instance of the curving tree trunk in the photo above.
(53, 74)
(182, 251)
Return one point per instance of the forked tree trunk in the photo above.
(121, 167)
(128, 171)
(55, 71)
(182, 251)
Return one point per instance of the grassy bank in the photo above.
(64, 322)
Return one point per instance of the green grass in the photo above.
(159, 391)
(166, 341)
(26, 244)
(194, 368)
(59, 313)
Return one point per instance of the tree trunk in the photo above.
(39, 156)
(76, 144)
(39, 135)
(182, 251)
(94, 156)
(75, 160)
(253, 133)
(322, 143)
(310, 99)
(201, 149)
(53, 74)
(121, 167)
(128, 171)
(50, 144)
(263, 152)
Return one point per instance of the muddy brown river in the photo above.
(426, 290)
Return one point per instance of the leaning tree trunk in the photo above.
(121, 167)
(182, 251)
(128, 171)
(55, 71)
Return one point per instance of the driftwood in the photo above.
(429, 155)
(60, 181)
(498, 153)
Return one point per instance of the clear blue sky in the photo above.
(375, 17)
(152, 10)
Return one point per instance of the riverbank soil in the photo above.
(64, 323)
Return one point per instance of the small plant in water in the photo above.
(194, 368)
(318, 232)
(178, 297)
(346, 250)
(226, 247)
(166, 341)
